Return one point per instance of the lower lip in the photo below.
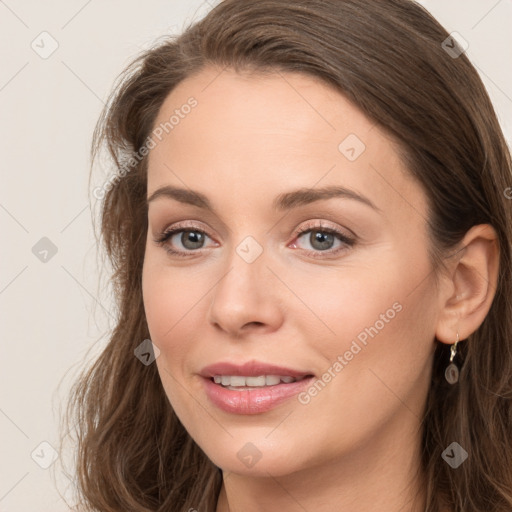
(255, 400)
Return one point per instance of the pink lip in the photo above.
(250, 369)
(258, 399)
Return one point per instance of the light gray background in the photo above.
(53, 312)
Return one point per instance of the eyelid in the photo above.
(319, 225)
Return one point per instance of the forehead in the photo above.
(250, 134)
(292, 105)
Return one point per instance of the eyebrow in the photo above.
(284, 201)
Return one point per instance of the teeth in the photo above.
(256, 382)
(272, 380)
(235, 381)
(253, 381)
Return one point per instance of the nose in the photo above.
(246, 298)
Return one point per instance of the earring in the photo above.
(451, 373)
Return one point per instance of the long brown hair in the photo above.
(388, 58)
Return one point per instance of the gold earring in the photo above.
(451, 373)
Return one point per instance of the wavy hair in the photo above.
(388, 59)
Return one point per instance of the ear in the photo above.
(470, 285)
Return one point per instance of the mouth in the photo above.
(253, 387)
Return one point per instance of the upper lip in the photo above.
(250, 369)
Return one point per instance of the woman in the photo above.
(310, 229)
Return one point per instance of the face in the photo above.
(334, 291)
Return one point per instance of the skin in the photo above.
(355, 445)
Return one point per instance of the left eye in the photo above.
(322, 239)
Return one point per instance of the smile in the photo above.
(240, 382)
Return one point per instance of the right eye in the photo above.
(190, 238)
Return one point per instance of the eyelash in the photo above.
(162, 239)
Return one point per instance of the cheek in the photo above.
(171, 297)
(339, 304)
(381, 346)
(377, 316)
(173, 303)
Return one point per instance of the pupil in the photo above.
(191, 237)
(324, 239)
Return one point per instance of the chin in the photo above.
(258, 459)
